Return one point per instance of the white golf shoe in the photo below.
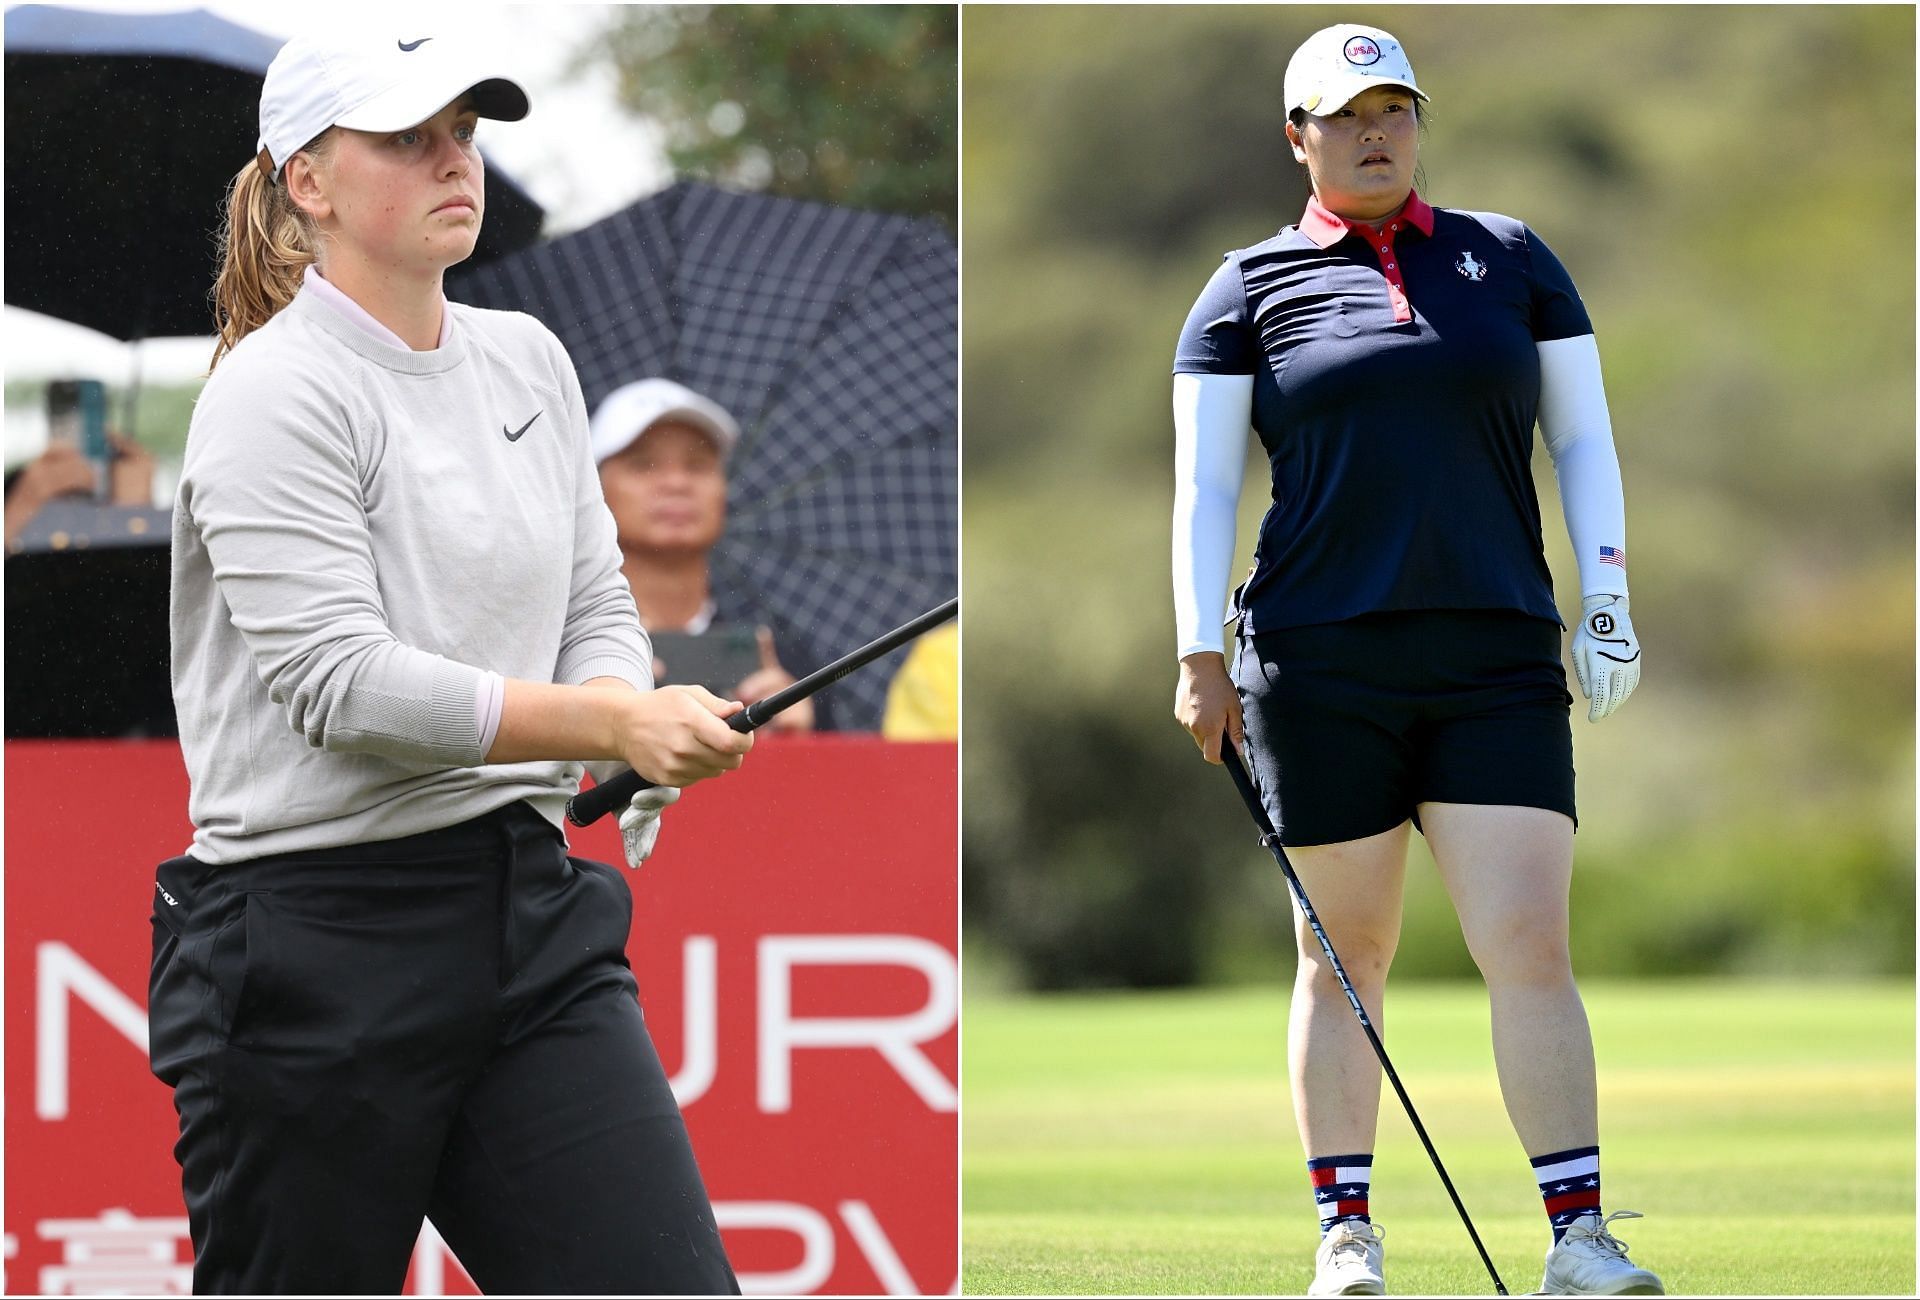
(1592, 1261)
(1349, 1261)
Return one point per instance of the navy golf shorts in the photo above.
(1350, 726)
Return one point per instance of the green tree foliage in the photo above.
(847, 104)
(1732, 189)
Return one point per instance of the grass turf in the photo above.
(1144, 1143)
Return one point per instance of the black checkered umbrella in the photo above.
(123, 130)
(831, 336)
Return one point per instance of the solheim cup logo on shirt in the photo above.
(1471, 267)
(1362, 50)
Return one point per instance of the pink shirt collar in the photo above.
(337, 298)
(1326, 230)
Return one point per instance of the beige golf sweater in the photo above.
(362, 533)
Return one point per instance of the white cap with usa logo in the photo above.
(1336, 63)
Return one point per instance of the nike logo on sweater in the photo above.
(515, 435)
(408, 47)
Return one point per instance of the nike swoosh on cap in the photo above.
(515, 435)
(408, 47)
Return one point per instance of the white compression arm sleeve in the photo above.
(1212, 415)
(1579, 437)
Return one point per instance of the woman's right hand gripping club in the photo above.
(1206, 703)
(677, 735)
(678, 732)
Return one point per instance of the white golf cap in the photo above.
(369, 82)
(632, 409)
(1336, 63)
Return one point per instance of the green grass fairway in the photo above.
(1144, 1143)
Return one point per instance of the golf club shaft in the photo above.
(589, 806)
(1272, 842)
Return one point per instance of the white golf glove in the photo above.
(1606, 654)
(640, 823)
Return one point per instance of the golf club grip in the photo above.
(589, 806)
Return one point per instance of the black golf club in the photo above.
(1271, 841)
(589, 806)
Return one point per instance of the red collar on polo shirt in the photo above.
(1325, 229)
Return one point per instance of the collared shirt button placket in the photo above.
(1402, 310)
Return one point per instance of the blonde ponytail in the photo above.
(269, 242)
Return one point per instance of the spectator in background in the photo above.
(61, 471)
(923, 703)
(662, 450)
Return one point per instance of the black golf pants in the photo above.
(440, 1026)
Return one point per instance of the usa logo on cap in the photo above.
(1362, 50)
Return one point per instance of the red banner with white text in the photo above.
(794, 940)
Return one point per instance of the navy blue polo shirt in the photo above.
(1395, 386)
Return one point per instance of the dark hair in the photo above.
(1421, 114)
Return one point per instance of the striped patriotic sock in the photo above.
(1569, 1185)
(1340, 1185)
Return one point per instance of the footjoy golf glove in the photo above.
(640, 823)
(1606, 654)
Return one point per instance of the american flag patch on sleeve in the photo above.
(1613, 555)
